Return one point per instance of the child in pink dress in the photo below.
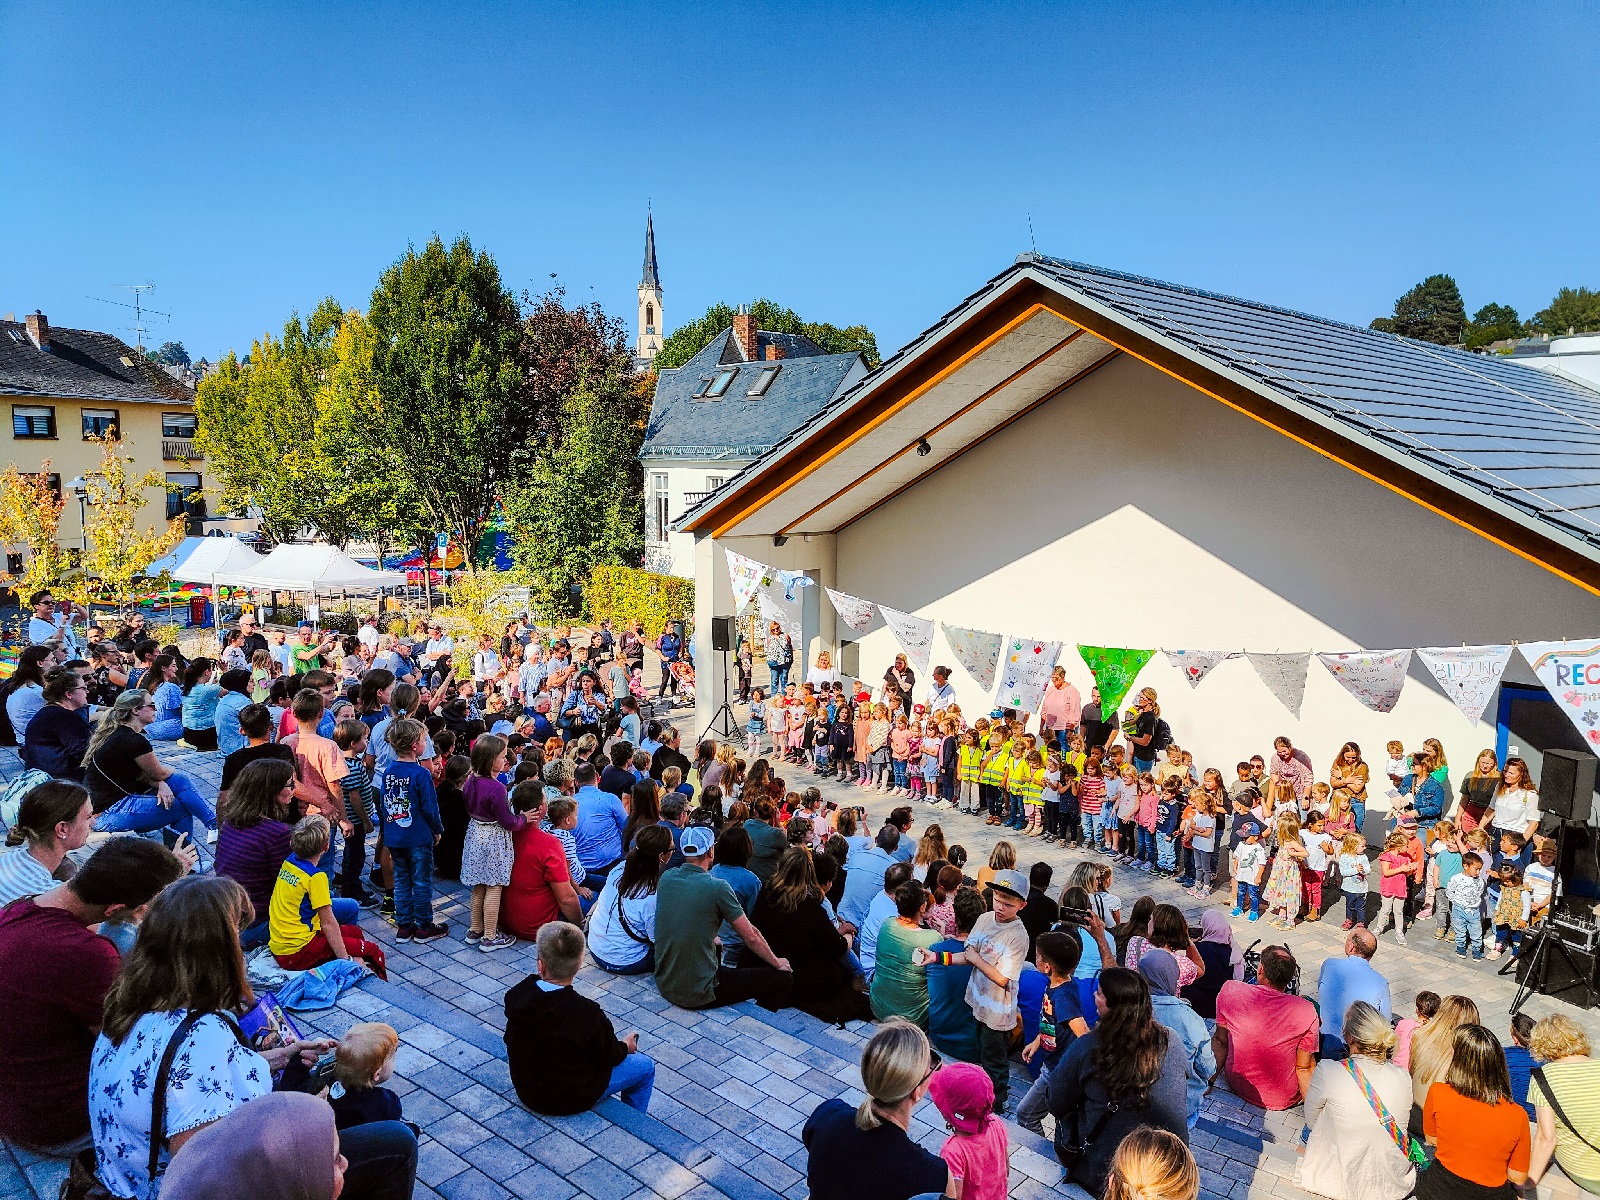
(976, 1151)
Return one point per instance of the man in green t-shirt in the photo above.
(691, 905)
(307, 653)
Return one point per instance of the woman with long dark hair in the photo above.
(1126, 1072)
(644, 809)
(199, 711)
(789, 914)
(1479, 1133)
(622, 923)
(161, 682)
(24, 691)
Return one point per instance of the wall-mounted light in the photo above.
(779, 539)
(923, 448)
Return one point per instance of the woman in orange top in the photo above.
(1479, 1132)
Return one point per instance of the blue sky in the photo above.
(856, 161)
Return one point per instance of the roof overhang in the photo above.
(1024, 339)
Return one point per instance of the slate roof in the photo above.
(80, 364)
(736, 426)
(1527, 437)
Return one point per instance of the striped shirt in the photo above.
(21, 874)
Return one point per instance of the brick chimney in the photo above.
(774, 351)
(744, 328)
(38, 329)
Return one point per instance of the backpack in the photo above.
(1162, 738)
(16, 791)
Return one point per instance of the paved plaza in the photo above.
(734, 1086)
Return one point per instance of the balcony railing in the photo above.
(690, 499)
(180, 449)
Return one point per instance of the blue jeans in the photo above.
(383, 1160)
(1355, 906)
(1147, 845)
(644, 966)
(141, 814)
(1144, 766)
(1248, 897)
(780, 678)
(1333, 1048)
(1358, 809)
(1469, 927)
(1166, 852)
(634, 1079)
(413, 885)
(1096, 830)
(900, 772)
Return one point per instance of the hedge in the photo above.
(625, 594)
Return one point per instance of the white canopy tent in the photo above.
(209, 560)
(313, 568)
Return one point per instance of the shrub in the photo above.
(398, 626)
(625, 594)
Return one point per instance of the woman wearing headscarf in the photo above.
(1160, 970)
(1223, 961)
(285, 1144)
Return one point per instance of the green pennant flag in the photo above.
(1114, 669)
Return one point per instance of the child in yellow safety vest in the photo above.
(992, 774)
(969, 762)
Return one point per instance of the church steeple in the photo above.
(651, 325)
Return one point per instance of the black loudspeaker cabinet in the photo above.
(1566, 784)
(1567, 974)
(722, 633)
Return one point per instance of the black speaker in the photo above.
(1568, 975)
(1566, 784)
(723, 632)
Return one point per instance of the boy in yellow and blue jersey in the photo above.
(303, 930)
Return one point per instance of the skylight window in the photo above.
(721, 384)
(700, 389)
(763, 382)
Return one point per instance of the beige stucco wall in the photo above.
(1134, 511)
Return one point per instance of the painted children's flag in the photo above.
(792, 581)
(1024, 671)
(1571, 672)
(1284, 675)
(746, 576)
(977, 652)
(915, 635)
(1197, 664)
(1114, 668)
(1373, 677)
(853, 610)
(776, 606)
(1468, 674)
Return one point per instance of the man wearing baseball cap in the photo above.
(691, 905)
(996, 948)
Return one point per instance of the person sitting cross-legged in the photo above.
(562, 1049)
(302, 930)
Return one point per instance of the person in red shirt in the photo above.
(1266, 1040)
(541, 888)
(54, 976)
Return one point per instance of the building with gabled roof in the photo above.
(1082, 455)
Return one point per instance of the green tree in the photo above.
(1492, 323)
(1577, 309)
(684, 342)
(582, 505)
(452, 402)
(119, 550)
(1430, 312)
(171, 354)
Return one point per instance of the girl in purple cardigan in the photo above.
(487, 854)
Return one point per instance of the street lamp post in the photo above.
(80, 489)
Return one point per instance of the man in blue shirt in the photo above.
(1343, 981)
(601, 820)
(900, 820)
(863, 876)
(235, 696)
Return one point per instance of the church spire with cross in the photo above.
(650, 323)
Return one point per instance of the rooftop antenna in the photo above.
(1031, 242)
(139, 310)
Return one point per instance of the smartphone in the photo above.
(1077, 916)
(322, 1072)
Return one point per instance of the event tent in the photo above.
(210, 560)
(313, 568)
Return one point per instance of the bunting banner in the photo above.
(915, 635)
(1468, 674)
(1114, 669)
(1571, 672)
(1024, 673)
(977, 652)
(776, 606)
(1284, 675)
(746, 576)
(792, 582)
(853, 610)
(1373, 677)
(1197, 664)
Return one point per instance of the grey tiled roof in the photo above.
(736, 426)
(1524, 436)
(81, 364)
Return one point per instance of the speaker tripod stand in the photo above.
(723, 723)
(1533, 979)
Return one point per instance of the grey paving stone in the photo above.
(559, 1152)
(538, 1183)
(472, 1185)
(436, 1162)
(498, 1159)
(664, 1177)
(458, 1131)
(604, 1180)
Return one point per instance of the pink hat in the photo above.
(963, 1094)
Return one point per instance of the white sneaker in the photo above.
(1399, 939)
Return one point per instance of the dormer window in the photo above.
(763, 381)
(721, 384)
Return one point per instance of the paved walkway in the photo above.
(734, 1086)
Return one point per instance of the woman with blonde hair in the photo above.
(1141, 732)
(868, 1151)
(932, 847)
(1477, 791)
(1564, 1092)
(131, 789)
(1351, 1154)
(1432, 1048)
(1002, 858)
(1153, 1164)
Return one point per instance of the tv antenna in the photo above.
(139, 310)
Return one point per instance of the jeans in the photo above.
(1469, 927)
(645, 966)
(1202, 870)
(1358, 809)
(1069, 825)
(1355, 906)
(1504, 935)
(1094, 828)
(383, 1160)
(141, 814)
(900, 772)
(780, 678)
(1248, 897)
(1333, 1048)
(634, 1079)
(1144, 766)
(1147, 844)
(1166, 852)
(413, 885)
(1030, 1113)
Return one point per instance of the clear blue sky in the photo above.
(856, 161)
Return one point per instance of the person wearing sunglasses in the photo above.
(866, 1153)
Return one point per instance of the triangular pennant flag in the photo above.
(1114, 668)
(915, 635)
(1571, 673)
(1024, 671)
(1284, 675)
(1197, 664)
(746, 576)
(977, 652)
(1468, 674)
(775, 606)
(1373, 677)
(853, 610)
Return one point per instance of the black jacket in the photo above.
(561, 1048)
(618, 781)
